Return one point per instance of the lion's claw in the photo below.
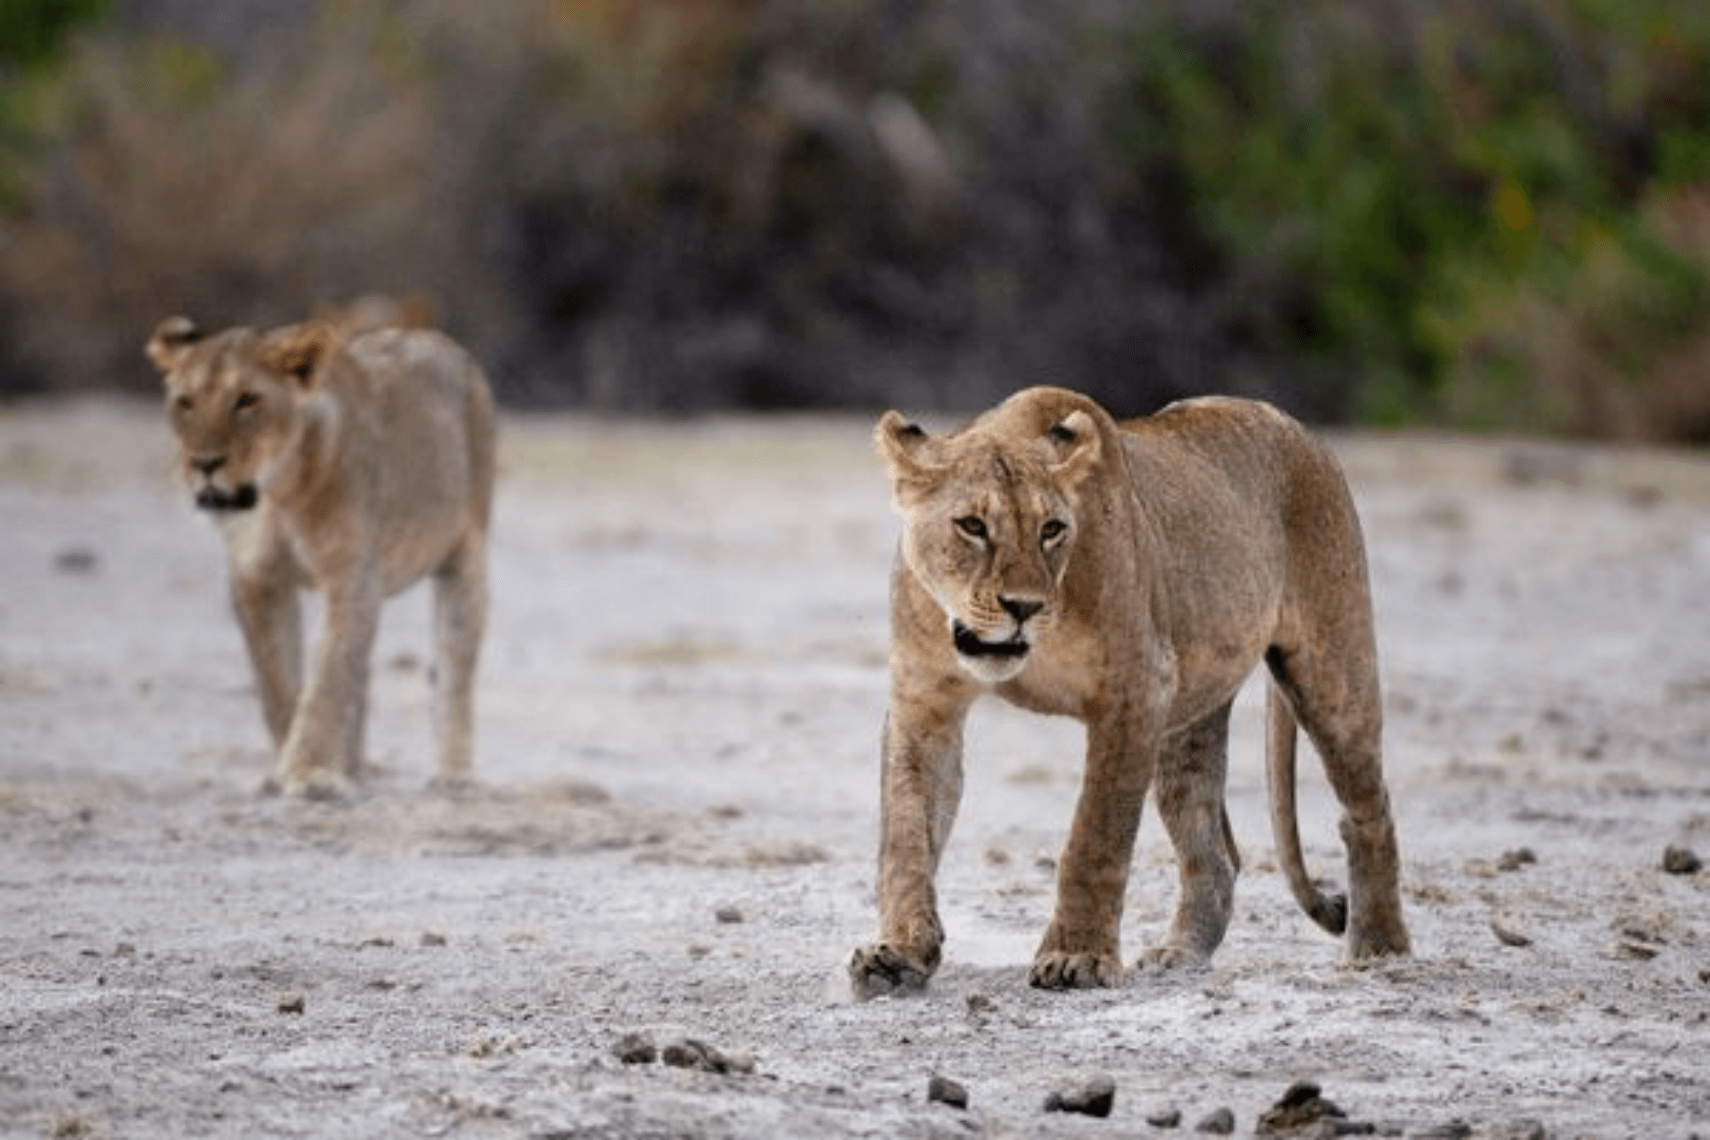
(882, 969)
(1058, 971)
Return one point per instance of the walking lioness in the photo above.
(351, 466)
(1130, 576)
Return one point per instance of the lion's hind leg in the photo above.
(1334, 695)
(459, 620)
(1189, 794)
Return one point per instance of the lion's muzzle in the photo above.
(241, 498)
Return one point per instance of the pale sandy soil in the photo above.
(674, 834)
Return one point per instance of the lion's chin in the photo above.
(993, 662)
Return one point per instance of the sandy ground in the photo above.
(674, 832)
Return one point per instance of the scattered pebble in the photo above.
(1641, 951)
(1220, 1122)
(943, 1090)
(729, 915)
(1170, 1117)
(432, 938)
(1527, 1129)
(76, 560)
(1681, 861)
(687, 1053)
(1090, 1095)
(292, 1002)
(635, 1049)
(1303, 1103)
(1453, 1130)
(1516, 858)
(979, 1004)
(1508, 935)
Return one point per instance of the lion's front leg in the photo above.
(1082, 947)
(323, 751)
(920, 791)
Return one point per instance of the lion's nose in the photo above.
(208, 464)
(1020, 610)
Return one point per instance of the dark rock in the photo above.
(76, 560)
(1091, 1095)
(1452, 1130)
(1301, 1105)
(635, 1049)
(1681, 861)
(1527, 1129)
(1515, 859)
(728, 915)
(943, 1090)
(290, 1003)
(1508, 935)
(687, 1053)
(1220, 1122)
(1170, 1117)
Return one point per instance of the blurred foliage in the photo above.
(1451, 209)
(1489, 215)
(33, 30)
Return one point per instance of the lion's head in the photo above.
(234, 400)
(991, 520)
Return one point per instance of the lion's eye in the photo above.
(245, 401)
(971, 526)
(1052, 530)
(184, 403)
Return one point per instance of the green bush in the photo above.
(1392, 184)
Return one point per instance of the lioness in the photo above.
(354, 466)
(1130, 576)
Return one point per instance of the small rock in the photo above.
(1170, 1117)
(432, 938)
(1302, 1104)
(1516, 858)
(1453, 1130)
(1681, 861)
(1091, 1095)
(687, 1053)
(1641, 951)
(1220, 1122)
(76, 560)
(635, 1049)
(979, 1004)
(1507, 935)
(943, 1090)
(1527, 1129)
(729, 915)
(290, 1003)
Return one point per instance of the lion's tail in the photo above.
(1328, 910)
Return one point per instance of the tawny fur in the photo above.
(356, 465)
(1130, 576)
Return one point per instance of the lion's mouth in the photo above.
(241, 498)
(968, 644)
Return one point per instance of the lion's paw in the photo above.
(1171, 957)
(1056, 970)
(1366, 942)
(883, 968)
(320, 784)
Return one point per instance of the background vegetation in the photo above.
(1493, 215)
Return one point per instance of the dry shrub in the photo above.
(321, 172)
(1616, 347)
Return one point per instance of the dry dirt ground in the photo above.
(675, 828)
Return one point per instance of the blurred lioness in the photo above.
(356, 465)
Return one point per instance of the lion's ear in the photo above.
(899, 444)
(295, 352)
(171, 340)
(1075, 441)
